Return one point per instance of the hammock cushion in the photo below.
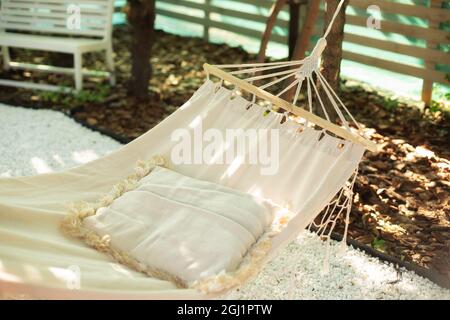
(173, 227)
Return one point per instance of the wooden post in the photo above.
(427, 87)
(207, 18)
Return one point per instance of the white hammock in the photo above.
(316, 170)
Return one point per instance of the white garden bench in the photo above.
(68, 26)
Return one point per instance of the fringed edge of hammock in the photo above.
(253, 260)
(72, 224)
(255, 257)
(342, 203)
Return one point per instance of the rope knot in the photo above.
(311, 63)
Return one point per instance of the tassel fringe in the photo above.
(342, 203)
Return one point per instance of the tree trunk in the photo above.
(141, 17)
(294, 20)
(332, 56)
(276, 8)
(307, 30)
(303, 41)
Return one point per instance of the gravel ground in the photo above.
(297, 273)
(38, 141)
(41, 141)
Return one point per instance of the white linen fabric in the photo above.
(185, 228)
(37, 259)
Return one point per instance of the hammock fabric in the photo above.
(36, 258)
(315, 171)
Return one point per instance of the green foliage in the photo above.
(389, 103)
(439, 106)
(379, 244)
(441, 100)
(435, 106)
(48, 96)
(65, 99)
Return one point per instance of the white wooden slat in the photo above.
(53, 69)
(32, 5)
(56, 21)
(54, 8)
(36, 86)
(51, 16)
(51, 29)
(60, 2)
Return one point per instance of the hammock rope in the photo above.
(308, 68)
(307, 71)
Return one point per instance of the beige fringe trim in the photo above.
(252, 262)
(72, 225)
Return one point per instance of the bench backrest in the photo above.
(64, 17)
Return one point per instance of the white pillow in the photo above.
(175, 227)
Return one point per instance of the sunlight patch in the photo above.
(84, 156)
(40, 166)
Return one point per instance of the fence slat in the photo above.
(396, 67)
(412, 31)
(207, 7)
(220, 25)
(427, 86)
(431, 55)
(428, 13)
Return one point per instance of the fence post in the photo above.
(207, 19)
(427, 87)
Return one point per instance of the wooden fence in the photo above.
(418, 31)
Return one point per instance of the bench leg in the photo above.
(77, 64)
(110, 64)
(6, 58)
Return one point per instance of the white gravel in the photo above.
(297, 273)
(41, 141)
(37, 141)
